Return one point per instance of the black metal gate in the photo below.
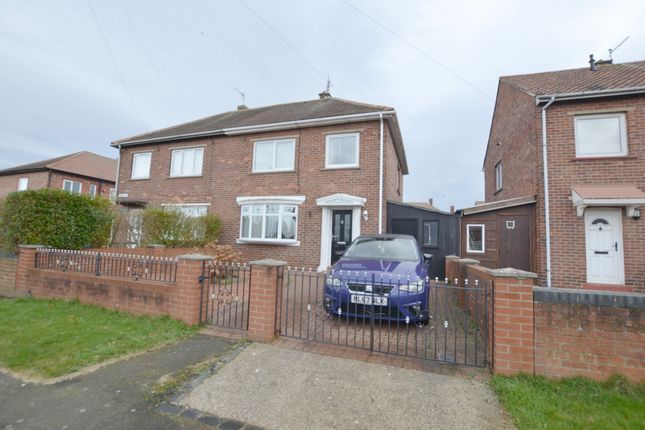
(225, 294)
(449, 324)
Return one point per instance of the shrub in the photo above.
(174, 229)
(54, 218)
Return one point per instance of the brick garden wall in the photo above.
(8, 264)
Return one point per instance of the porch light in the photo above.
(636, 214)
(365, 215)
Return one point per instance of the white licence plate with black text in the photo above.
(368, 300)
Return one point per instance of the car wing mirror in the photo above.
(427, 257)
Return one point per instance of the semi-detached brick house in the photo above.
(295, 181)
(82, 172)
(589, 126)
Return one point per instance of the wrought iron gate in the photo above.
(449, 324)
(225, 294)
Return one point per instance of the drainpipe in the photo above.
(380, 180)
(118, 167)
(547, 218)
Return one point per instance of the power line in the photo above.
(118, 71)
(286, 42)
(154, 65)
(419, 50)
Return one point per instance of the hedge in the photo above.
(174, 229)
(54, 218)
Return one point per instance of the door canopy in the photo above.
(340, 200)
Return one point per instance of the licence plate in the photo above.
(368, 300)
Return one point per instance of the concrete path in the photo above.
(113, 397)
(279, 388)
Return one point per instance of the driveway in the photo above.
(113, 397)
(279, 388)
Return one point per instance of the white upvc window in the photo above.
(274, 155)
(72, 186)
(192, 210)
(141, 165)
(112, 194)
(602, 135)
(23, 183)
(476, 238)
(187, 162)
(498, 176)
(92, 190)
(269, 220)
(342, 150)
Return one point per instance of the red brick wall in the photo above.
(9, 183)
(511, 141)
(227, 174)
(591, 341)
(8, 265)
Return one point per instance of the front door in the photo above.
(341, 233)
(604, 246)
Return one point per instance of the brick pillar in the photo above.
(186, 304)
(26, 261)
(513, 349)
(263, 299)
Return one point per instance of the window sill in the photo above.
(476, 252)
(140, 179)
(268, 242)
(273, 171)
(342, 168)
(185, 177)
(605, 158)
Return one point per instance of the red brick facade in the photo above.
(8, 264)
(53, 179)
(227, 173)
(517, 128)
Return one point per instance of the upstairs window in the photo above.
(274, 155)
(475, 237)
(23, 183)
(342, 150)
(92, 190)
(72, 186)
(602, 135)
(498, 176)
(141, 165)
(187, 162)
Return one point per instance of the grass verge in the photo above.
(535, 402)
(49, 338)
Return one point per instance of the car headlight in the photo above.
(334, 282)
(413, 287)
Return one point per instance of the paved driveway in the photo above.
(109, 398)
(279, 388)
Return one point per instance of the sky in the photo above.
(78, 74)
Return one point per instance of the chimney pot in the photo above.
(324, 95)
(430, 202)
(592, 63)
(452, 209)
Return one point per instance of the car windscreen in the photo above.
(390, 248)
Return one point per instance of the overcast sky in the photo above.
(64, 89)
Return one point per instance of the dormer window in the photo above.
(603, 135)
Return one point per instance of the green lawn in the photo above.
(574, 403)
(54, 337)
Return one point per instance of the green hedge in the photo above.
(174, 229)
(54, 218)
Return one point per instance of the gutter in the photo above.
(343, 119)
(589, 94)
(545, 169)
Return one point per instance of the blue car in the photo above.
(380, 276)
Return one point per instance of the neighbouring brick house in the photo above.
(81, 172)
(295, 181)
(589, 125)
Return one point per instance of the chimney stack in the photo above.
(430, 202)
(452, 209)
(324, 95)
(242, 107)
(592, 63)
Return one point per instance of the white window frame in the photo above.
(499, 178)
(134, 161)
(21, 181)
(280, 201)
(475, 251)
(93, 190)
(342, 166)
(182, 150)
(275, 154)
(71, 188)
(112, 194)
(178, 206)
(622, 120)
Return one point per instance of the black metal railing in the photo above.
(420, 318)
(144, 267)
(225, 294)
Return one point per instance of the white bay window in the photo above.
(269, 220)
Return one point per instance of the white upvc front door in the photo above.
(604, 244)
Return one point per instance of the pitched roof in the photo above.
(499, 204)
(623, 76)
(298, 111)
(623, 191)
(80, 163)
